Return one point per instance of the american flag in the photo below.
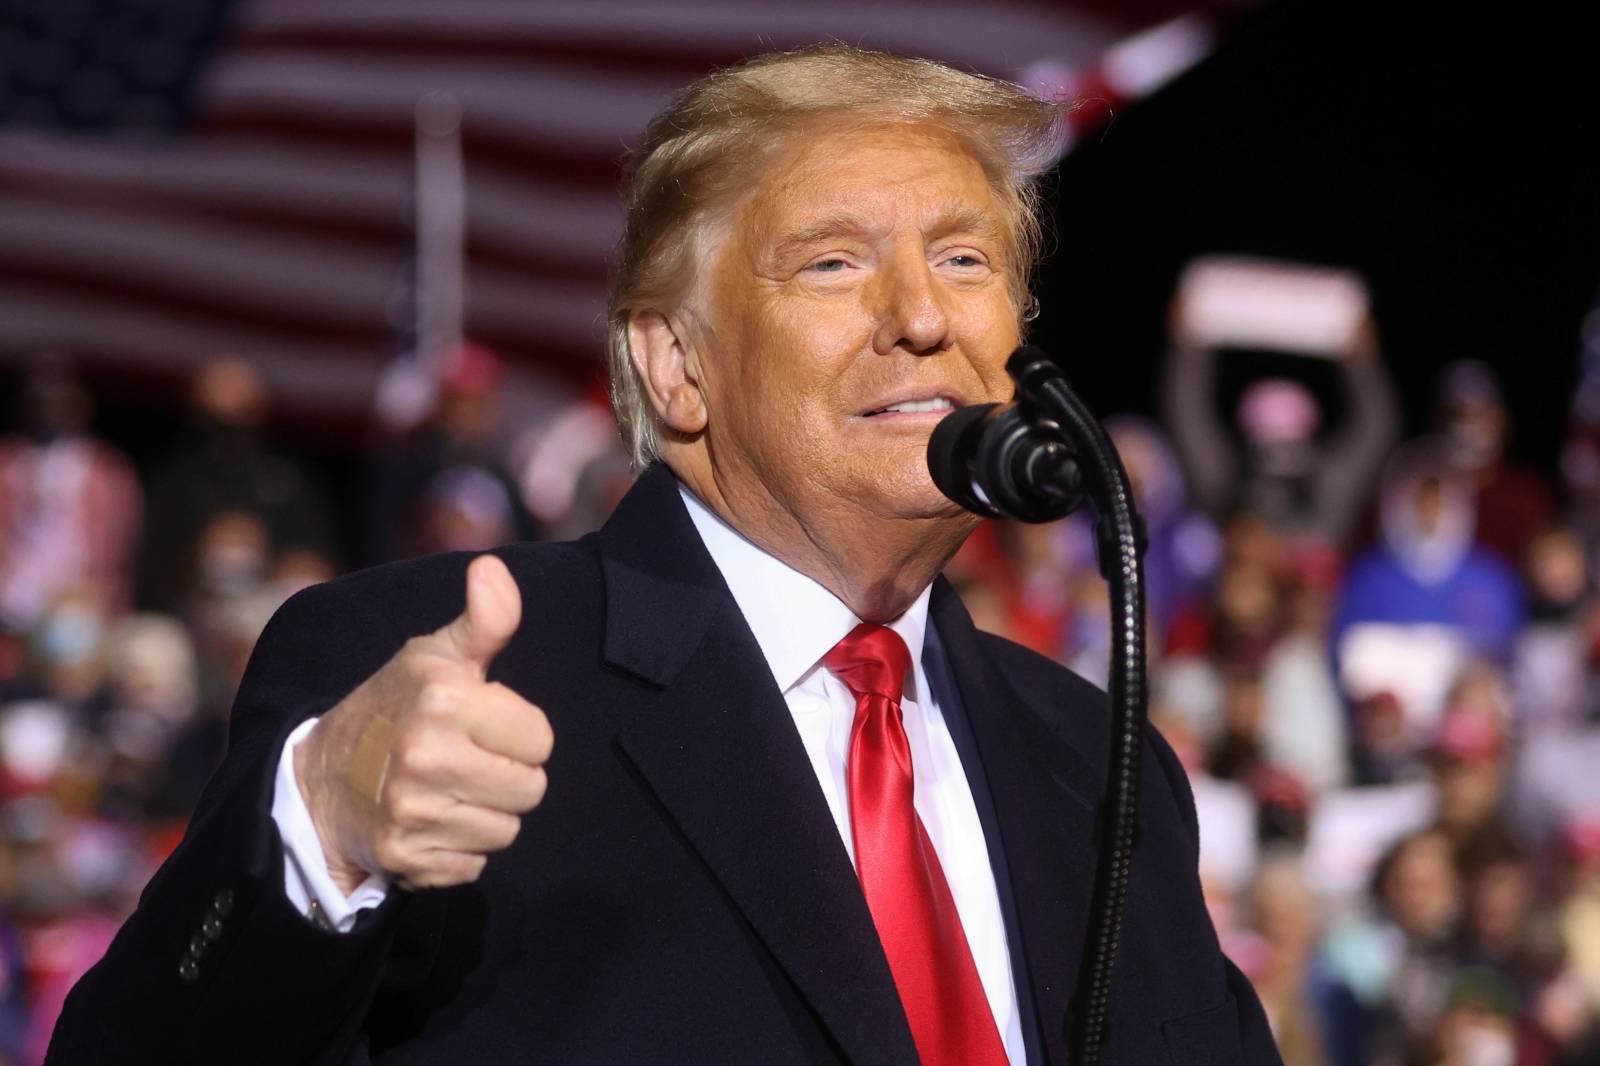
(181, 178)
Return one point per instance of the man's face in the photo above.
(857, 296)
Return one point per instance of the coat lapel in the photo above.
(1040, 784)
(715, 741)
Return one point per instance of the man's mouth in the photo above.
(932, 405)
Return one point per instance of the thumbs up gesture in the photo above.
(426, 767)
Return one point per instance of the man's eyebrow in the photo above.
(964, 220)
(818, 231)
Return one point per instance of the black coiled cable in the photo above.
(1120, 539)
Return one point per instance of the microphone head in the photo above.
(1011, 460)
(952, 449)
(1005, 461)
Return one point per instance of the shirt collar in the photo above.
(794, 618)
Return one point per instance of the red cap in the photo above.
(1467, 737)
(1582, 838)
(471, 368)
(1314, 564)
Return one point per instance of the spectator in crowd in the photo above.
(1037, 585)
(1286, 914)
(1243, 615)
(1580, 909)
(1384, 748)
(1267, 619)
(1303, 728)
(461, 433)
(64, 660)
(1427, 568)
(1384, 978)
(1057, 602)
(1414, 609)
(1550, 662)
(1579, 464)
(1555, 784)
(1237, 753)
(1469, 763)
(70, 505)
(573, 470)
(1274, 456)
(223, 464)
(15, 1007)
(980, 574)
(1235, 616)
(157, 749)
(1501, 927)
(86, 879)
(1184, 548)
(1513, 504)
(1478, 1025)
(464, 508)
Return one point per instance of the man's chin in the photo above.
(912, 494)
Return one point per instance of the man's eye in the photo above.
(964, 261)
(828, 266)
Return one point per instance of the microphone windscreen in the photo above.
(951, 450)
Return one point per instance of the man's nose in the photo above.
(912, 314)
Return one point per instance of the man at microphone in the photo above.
(733, 780)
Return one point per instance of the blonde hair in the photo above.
(699, 152)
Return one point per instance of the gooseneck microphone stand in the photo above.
(1035, 459)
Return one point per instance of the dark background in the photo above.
(1450, 155)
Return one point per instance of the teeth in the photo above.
(916, 407)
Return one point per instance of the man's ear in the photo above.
(661, 356)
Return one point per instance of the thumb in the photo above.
(493, 611)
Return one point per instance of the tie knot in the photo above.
(871, 658)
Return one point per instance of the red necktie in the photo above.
(900, 874)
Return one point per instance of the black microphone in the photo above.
(1008, 460)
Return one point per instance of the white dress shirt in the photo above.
(305, 869)
(796, 622)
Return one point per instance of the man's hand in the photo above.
(426, 767)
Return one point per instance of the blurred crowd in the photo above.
(1376, 658)
(130, 599)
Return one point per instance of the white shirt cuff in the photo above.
(306, 879)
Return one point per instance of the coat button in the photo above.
(223, 903)
(211, 927)
(198, 945)
(188, 970)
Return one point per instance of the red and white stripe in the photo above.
(275, 228)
